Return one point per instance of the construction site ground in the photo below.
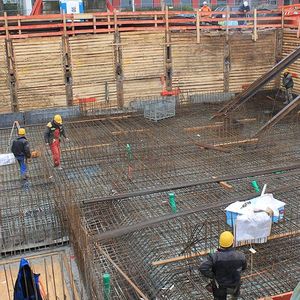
(110, 200)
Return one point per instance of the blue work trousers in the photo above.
(22, 164)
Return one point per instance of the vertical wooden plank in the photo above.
(198, 27)
(226, 64)
(73, 26)
(94, 24)
(119, 70)
(65, 24)
(227, 21)
(115, 20)
(167, 18)
(255, 26)
(282, 18)
(6, 25)
(67, 70)
(7, 284)
(19, 24)
(108, 20)
(11, 75)
(155, 19)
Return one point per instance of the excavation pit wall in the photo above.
(115, 69)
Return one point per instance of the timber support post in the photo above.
(168, 56)
(67, 69)
(227, 64)
(118, 68)
(12, 79)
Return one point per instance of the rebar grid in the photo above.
(97, 163)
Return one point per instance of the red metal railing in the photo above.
(104, 22)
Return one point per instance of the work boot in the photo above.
(24, 177)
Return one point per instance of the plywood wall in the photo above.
(197, 67)
(93, 65)
(5, 102)
(249, 59)
(290, 43)
(142, 63)
(39, 73)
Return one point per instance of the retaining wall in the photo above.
(118, 68)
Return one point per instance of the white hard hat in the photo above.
(204, 3)
(245, 3)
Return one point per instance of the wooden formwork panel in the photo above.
(39, 72)
(198, 67)
(141, 89)
(93, 68)
(290, 43)
(5, 101)
(250, 59)
(143, 64)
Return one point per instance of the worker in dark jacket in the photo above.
(288, 83)
(224, 268)
(244, 9)
(54, 131)
(21, 150)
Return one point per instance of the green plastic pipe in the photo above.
(129, 152)
(106, 285)
(255, 186)
(172, 202)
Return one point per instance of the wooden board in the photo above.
(93, 67)
(197, 67)
(39, 73)
(56, 278)
(142, 63)
(290, 43)
(249, 60)
(5, 104)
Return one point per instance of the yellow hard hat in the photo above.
(286, 71)
(226, 239)
(58, 119)
(21, 131)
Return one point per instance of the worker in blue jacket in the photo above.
(224, 269)
(21, 150)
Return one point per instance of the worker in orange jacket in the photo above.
(205, 10)
(54, 131)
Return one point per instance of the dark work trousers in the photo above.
(221, 293)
